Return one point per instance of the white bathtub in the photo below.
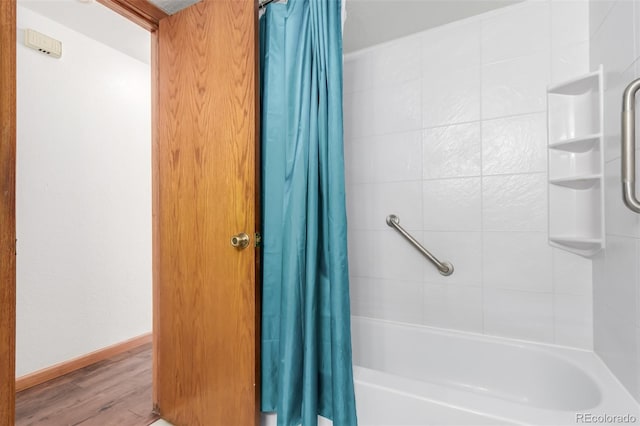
(430, 376)
(414, 375)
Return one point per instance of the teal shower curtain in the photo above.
(306, 335)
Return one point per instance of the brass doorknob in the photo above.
(240, 241)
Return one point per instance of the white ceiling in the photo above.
(368, 22)
(371, 22)
(97, 22)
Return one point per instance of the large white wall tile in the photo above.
(517, 260)
(615, 81)
(452, 151)
(397, 108)
(620, 291)
(514, 144)
(620, 221)
(573, 316)
(515, 86)
(392, 300)
(514, 202)
(395, 258)
(572, 274)
(358, 113)
(358, 160)
(637, 288)
(613, 42)
(358, 206)
(370, 204)
(450, 96)
(403, 199)
(362, 296)
(500, 41)
(452, 47)
(452, 204)
(598, 11)
(569, 61)
(457, 307)
(519, 314)
(357, 73)
(396, 62)
(615, 342)
(636, 20)
(396, 157)
(462, 249)
(360, 249)
(569, 22)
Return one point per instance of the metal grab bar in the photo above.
(629, 146)
(445, 268)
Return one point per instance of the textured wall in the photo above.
(615, 43)
(83, 198)
(447, 129)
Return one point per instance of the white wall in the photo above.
(83, 198)
(615, 43)
(447, 129)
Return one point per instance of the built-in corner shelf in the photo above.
(584, 245)
(576, 164)
(579, 144)
(577, 182)
(577, 86)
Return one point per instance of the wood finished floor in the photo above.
(116, 391)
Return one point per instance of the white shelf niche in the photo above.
(576, 164)
(578, 102)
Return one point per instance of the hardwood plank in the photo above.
(115, 391)
(207, 333)
(66, 367)
(7, 210)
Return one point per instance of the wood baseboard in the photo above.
(57, 370)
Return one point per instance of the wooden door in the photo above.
(7, 210)
(206, 310)
(206, 297)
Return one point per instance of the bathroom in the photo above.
(448, 128)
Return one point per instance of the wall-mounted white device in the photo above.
(42, 43)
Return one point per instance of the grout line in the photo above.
(423, 303)
(541, 172)
(546, 119)
(482, 176)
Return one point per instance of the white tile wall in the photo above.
(452, 204)
(517, 261)
(396, 108)
(447, 129)
(514, 144)
(514, 202)
(515, 86)
(520, 314)
(569, 61)
(531, 23)
(452, 151)
(450, 96)
(463, 248)
(451, 47)
(458, 307)
(564, 15)
(615, 43)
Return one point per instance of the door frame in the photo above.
(146, 15)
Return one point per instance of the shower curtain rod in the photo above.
(263, 3)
